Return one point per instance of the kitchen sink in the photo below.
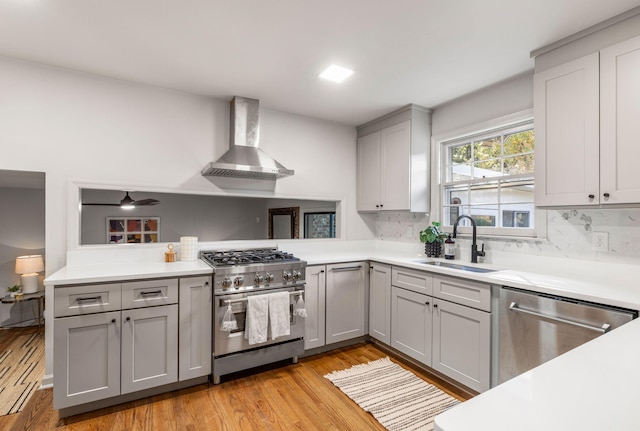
(454, 266)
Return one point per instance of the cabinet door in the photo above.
(411, 324)
(380, 302)
(149, 347)
(314, 302)
(566, 101)
(620, 122)
(369, 172)
(86, 358)
(345, 313)
(395, 185)
(195, 328)
(461, 343)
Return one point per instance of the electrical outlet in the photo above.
(600, 241)
(409, 232)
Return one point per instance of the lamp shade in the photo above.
(29, 264)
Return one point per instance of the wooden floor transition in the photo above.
(286, 397)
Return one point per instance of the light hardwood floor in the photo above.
(287, 397)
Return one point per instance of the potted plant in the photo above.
(432, 238)
(14, 289)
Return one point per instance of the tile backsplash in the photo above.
(570, 234)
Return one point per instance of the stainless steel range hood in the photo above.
(244, 159)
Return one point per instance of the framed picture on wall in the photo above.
(132, 230)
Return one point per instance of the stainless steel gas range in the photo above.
(239, 274)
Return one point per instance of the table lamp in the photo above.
(28, 268)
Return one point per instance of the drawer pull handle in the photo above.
(89, 298)
(153, 292)
(347, 268)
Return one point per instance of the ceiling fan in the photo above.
(128, 202)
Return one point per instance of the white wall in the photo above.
(77, 126)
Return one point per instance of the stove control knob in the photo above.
(296, 275)
(226, 282)
(238, 281)
(258, 279)
(286, 276)
(269, 277)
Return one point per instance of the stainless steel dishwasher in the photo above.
(536, 327)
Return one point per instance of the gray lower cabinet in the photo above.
(380, 302)
(86, 358)
(411, 327)
(195, 327)
(149, 346)
(118, 338)
(314, 301)
(345, 301)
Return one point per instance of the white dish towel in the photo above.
(279, 314)
(257, 321)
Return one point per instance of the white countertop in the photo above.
(592, 387)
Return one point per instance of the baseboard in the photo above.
(47, 381)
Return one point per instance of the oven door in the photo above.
(226, 342)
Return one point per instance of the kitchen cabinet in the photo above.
(118, 338)
(411, 327)
(314, 301)
(380, 302)
(586, 127)
(462, 331)
(345, 301)
(393, 161)
(195, 313)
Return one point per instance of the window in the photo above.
(320, 225)
(490, 177)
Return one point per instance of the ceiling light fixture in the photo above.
(335, 73)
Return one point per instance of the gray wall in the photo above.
(21, 233)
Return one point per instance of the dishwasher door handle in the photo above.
(603, 329)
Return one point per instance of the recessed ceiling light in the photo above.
(336, 73)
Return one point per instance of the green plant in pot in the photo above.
(432, 238)
(14, 289)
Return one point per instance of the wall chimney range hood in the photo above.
(244, 159)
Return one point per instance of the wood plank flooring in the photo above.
(283, 397)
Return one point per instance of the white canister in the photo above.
(188, 248)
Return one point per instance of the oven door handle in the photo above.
(347, 268)
(235, 301)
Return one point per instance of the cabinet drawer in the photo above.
(148, 293)
(416, 281)
(94, 298)
(465, 292)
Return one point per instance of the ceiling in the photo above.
(410, 51)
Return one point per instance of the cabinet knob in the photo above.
(381, 205)
(322, 270)
(113, 320)
(426, 303)
(606, 195)
(591, 196)
(435, 305)
(128, 318)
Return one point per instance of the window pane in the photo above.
(459, 173)
(487, 149)
(487, 169)
(484, 215)
(517, 191)
(518, 215)
(519, 164)
(484, 194)
(460, 154)
(518, 143)
(320, 225)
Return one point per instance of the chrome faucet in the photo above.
(474, 247)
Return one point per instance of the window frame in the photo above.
(522, 120)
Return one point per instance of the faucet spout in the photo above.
(474, 246)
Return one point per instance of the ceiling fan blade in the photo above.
(146, 202)
(92, 204)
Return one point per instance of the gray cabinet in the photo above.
(380, 302)
(345, 301)
(195, 312)
(411, 328)
(149, 343)
(86, 358)
(393, 161)
(314, 301)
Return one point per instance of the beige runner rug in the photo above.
(397, 398)
(21, 371)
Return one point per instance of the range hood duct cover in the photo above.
(244, 159)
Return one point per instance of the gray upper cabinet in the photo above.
(393, 161)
